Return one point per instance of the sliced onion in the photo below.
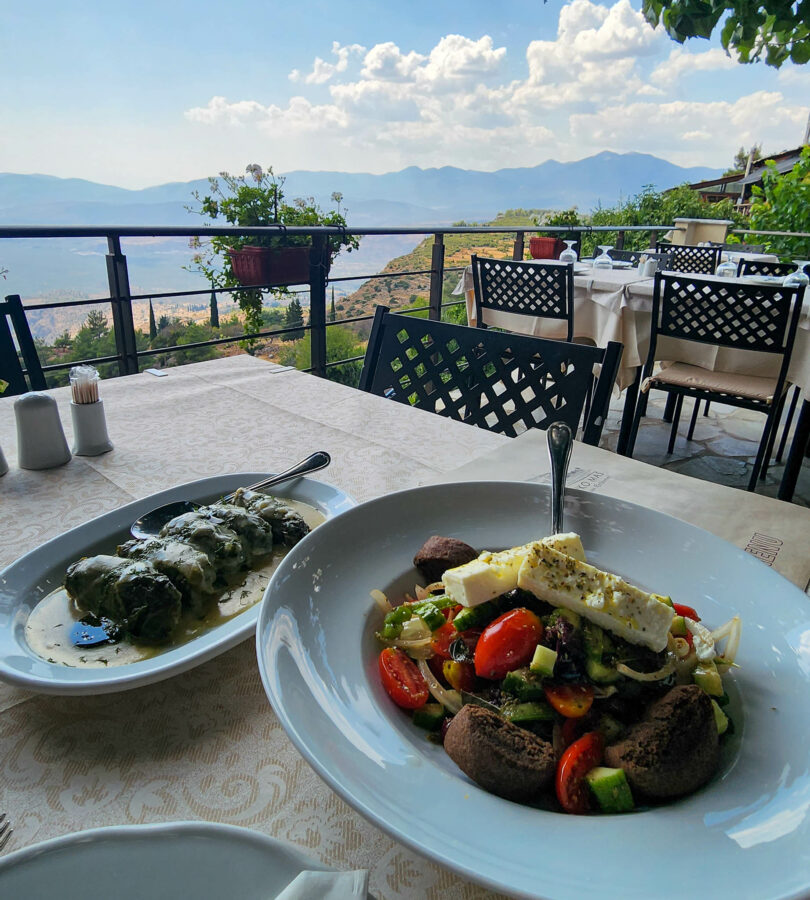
(381, 600)
(450, 700)
(731, 630)
(667, 669)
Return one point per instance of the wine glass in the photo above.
(727, 268)
(569, 255)
(603, 261)
(798, 278)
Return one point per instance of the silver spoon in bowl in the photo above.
(560, 443)
(150, 523)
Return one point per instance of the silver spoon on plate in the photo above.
(150, 523)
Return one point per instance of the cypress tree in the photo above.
(332, 306)
(293, 317)
(152, 325)
(214, 319)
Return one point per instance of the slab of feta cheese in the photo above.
(493, 574)
(601, 597)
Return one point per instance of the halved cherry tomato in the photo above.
(441, 640)
(682, 610)
(572, 730)
(507, 643)
(459, 675)
(570, 700)
(402, 680)
(574, 765)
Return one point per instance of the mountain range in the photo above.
(411, 197)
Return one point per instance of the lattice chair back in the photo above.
(504, 382)
(12, 316)
(738, 315)
(544, 288)
(763, 267)
(634, 257)
(691, 259)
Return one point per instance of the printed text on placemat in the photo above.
(764, 547)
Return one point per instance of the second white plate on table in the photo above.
(25, 582)
(171, 861)
(746, 834)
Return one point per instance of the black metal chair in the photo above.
(740, 248)
(691, 259)
(504, 382)
(727, 314)
(763, 267)
(634, 257)
(542, 289)
(12, 316)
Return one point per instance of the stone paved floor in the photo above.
(722, 450)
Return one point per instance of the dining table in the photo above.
(206, 745)
(616, 305)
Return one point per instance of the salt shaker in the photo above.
(87, 411)
(41, 442)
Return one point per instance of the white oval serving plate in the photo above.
(26, 581)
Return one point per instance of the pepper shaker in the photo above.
(41, 441)
(3, 463)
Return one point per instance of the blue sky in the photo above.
(140, 95)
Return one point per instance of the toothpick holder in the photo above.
(89, 429)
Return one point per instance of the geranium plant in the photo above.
(256, 199)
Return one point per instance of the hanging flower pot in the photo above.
(270, 266)
(545, 247)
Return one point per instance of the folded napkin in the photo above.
(311, 885)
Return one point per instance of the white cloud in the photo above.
(663, 128)
(322, 71)
(682, 62)
(299, 115)
(584, 91)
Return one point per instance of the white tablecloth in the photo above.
(616, 305)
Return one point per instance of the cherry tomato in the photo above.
(402, 680)
(507, 643)
(574, 765)
(450, 612)
(682, 610)
(572, 730)
(441, 640)
(459, 675)
(570, 700)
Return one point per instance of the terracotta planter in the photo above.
(270, 267)
(546, 247)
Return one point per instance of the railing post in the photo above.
(121, 299)
(620, 240)
(517, 249)
(436, 278)
(653, 237)
(318, 262)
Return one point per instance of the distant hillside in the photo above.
(412, 197)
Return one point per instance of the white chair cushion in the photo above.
(753, 387)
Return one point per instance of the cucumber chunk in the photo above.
(720, 718)
(611, 790)
(523, 713)
(524, 684)
(599, 672)
(475, 616)
(706, 676)
(429, 716)
(543, 661)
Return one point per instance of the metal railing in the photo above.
(128, 357)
